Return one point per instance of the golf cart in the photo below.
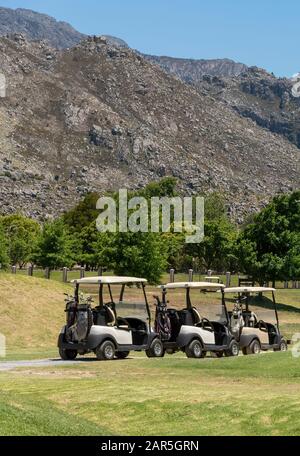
(201, 326)
(254, 319)
(120, 321)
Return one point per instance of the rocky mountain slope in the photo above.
(36, 26)
(60, 35)
(192, 71)
(260, 96)
(98, 117)
(252, 92)
(41, 27)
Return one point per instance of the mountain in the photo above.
(260, 96)
(61, 35)
(97, 117)
(192, 71)
(36, 26)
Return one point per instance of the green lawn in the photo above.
(171, 396)
(139, 396)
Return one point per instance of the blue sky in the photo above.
(265, 33)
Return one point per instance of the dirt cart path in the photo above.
(10, 365)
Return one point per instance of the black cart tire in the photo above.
(233, 349)
(254, 348)
(122, 355)
(194, 349)
(283, 347)
(67, 354)
(156, 349)
(106, 351)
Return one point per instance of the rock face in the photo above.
(98, 117)
(36, 26)
(192, 71)
(260, 96)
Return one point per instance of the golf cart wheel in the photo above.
(254, 348)
(194, 349)
(67, 354)
(233, 349)
(106, 351)
(156, 349)
(282, 346)
(122, 355)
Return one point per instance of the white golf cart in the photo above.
(118, 324)
(254, 319)
(201, 326)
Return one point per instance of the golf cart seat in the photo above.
(104, 316)
(189, 317)
(196, 316)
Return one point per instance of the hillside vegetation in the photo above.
(31, 311)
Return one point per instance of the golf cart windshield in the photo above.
(127, 299)
(209, 305)
(255, 306)
(131, 310)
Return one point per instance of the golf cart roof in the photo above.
(248, 290)
(199, 285)
(108, 280)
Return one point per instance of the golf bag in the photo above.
(79, 321)
(162, 321)
(237, 321)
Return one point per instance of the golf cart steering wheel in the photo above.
(205, 323)
(262, 326)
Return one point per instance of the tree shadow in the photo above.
(266, 303)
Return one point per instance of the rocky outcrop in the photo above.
(192, 70)
(36, 27)
(260, 96)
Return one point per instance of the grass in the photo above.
(172, 396)
(139, 396)
(32, 313)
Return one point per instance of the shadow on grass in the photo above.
(87, 360)
(265, 303)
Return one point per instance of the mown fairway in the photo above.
(171, 396)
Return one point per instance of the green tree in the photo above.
(164, 187)
(21, 234)
(88, 246)
(83, 214)
(218, 249)
(4, 259)
(134, 254)
(269, 247)
(54, 246)
(215, 208)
